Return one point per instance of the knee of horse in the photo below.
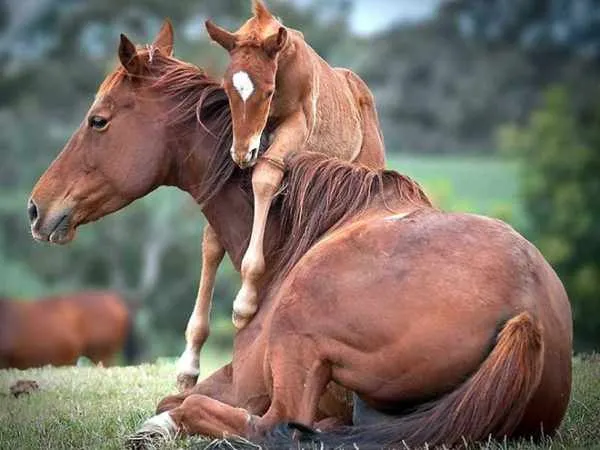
(170, 402)
(266, 180)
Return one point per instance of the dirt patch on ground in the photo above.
(24, 387)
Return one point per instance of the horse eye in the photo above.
(98, 123)
(268, 93)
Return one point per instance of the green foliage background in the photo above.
(560, 152)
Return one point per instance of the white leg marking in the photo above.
(189, 362)
(243, 84)
(161, 424)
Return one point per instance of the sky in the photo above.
(370, 16)
(373, 15)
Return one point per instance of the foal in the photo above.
(279, 86)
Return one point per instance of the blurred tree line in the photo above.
(444, 85)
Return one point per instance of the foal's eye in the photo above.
(98, 123)
(268, 93)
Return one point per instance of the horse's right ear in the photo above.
(128, 56)
(164, 38)
(221, 36)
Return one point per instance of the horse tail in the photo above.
(491, 402)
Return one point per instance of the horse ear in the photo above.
(128, 56)
(164, 38)
(221, 36)
(260, 10)
(274, 43)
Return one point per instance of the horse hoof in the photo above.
(153, 433)
(240, 321)
(186, 381)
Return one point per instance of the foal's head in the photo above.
(126, 146)
(250, 77)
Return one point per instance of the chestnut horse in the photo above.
(453, 324)
(58, 330)
(275, 81)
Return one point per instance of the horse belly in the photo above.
(52, 343)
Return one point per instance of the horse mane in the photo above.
(323, 192)
(199, 101)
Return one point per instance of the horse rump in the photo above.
(491, 403)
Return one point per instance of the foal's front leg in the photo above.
(188, 365)
(266, 181)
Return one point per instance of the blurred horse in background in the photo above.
(58, 330)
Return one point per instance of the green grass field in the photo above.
(95, 408)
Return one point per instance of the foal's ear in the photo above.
(129, 57)
(164, 39)
(221, 36)
(274, 43)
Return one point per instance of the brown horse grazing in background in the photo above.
(276, 82)
(58, 330)
(453, 324)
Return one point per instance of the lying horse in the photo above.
(58, 330)
(276, 81)
(451, 325)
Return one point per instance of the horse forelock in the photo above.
(323, 192)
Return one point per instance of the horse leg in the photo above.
(266, 180)
(299, 380)
(218, 385)
(196, 333)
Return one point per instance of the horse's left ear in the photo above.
(128, 56)
(164, 38)
(274, 43)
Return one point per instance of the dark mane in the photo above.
(322, 192)
(199, 101)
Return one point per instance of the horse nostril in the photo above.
(253, 154)
(32, 210)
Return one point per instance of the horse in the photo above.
(426, 326)
(58, 330)
(278, 85)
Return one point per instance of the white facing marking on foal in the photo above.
(243, 84)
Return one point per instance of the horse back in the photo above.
(340, 109)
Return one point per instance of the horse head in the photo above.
(250, 77)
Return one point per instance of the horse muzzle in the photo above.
(52, 226)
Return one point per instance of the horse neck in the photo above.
(229, 211)
(294, 64)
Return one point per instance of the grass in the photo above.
(96, 408)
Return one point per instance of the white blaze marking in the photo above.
(254, 142)
(243, 84)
